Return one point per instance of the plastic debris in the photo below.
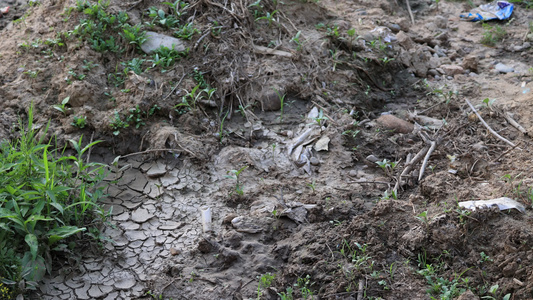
(497, 10)
(206, 219)
(385, 34)
(503, 203)
(4, 10)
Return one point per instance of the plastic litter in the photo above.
(503, 203)
(4, 10)
(497, 10)
(206, 219)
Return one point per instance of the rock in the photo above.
(204, 246)
(353, 173)
(452, 70)
(246, 225)
(141, 215)
(394, 123)
(270, 100)
(470, 62)
(372, 158)
(155, 40)
(433, 72)
(526, 45)
(419, 61)
(404, 40)
(314, 161)
(501, 68)
(322, 144)
(174, 251)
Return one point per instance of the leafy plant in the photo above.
(134, 65)
(135, 117)
(296, 40)
(117, 124)
(235, 175)
(79, 122)
(165, 57)
(265, 281)
(134, 35)
(269, 16)
(63, 106)
(282, 102)
(320, 119)
(45, 198)
(186, 31)
(160, 18)
(190, 100)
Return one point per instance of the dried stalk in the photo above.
(513, 123)
(408, 167)
(487, 125)
(426, 158)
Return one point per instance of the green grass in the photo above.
(48, 200)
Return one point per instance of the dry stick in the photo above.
(410, 12)
(408, 167)
(515, 124)
(89, 152)
(487, 125)
(425, 162)
(504, 153)
(176, 86)
(360, 291)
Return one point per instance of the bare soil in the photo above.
(333, 219)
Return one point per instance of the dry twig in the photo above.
(487, 125)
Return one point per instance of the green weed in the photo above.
(235, 175)
(79, 122)
(492, 35)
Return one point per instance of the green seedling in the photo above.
(296, 40)
(191, 99)
(287, 295)
(489, 102)
(352, 133)
(235, 175)
(386, 60)
(423, 217)
(89, 65)
(304, 285)
(32, 74)
(320, 119)
(79, 122)
(269, 17)
(117, 124)
(135, 117)
(495, 295)
(134, 65)
(134, 35)
(312, 186)
(62, 107)
(265, 281)
(159, 17)
(186, 32)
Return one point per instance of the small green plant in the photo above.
(492, 35)
(191, 99)
(484, 258)
(186, 32)
(165, 57)
(423, 217)
(296, 40)
(495, 295)
(320, 119)
(333, 31)
(235, 175)
(489, 102)
(117, 124)
(134, 35)
(159, 17)
(134, 65)
(386, 60)
(265, 281)
(63, 106)
(287, 295)
(135, 117)
(32, 73)
(387, 166)
(269, 16)
(304, 285)
(79, 122)
(88, 65)
(312, 185)
(352, 133)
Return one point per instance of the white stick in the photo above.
(206, 219)
(425, 162)
(487, 125)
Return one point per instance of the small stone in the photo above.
(314, 161)
(352, 173)
(452, 70)
(404, 40)
(526, 45)
(501, 68)
(372, 158)
(174, 251)
(441, 22)
(141, 215)
(227, 219)
(470, 62)
(394, 123)
(322, 144)
(155, 40)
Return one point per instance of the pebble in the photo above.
(501, 68)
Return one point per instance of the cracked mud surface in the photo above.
(314, 208)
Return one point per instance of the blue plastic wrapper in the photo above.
(497, 10)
